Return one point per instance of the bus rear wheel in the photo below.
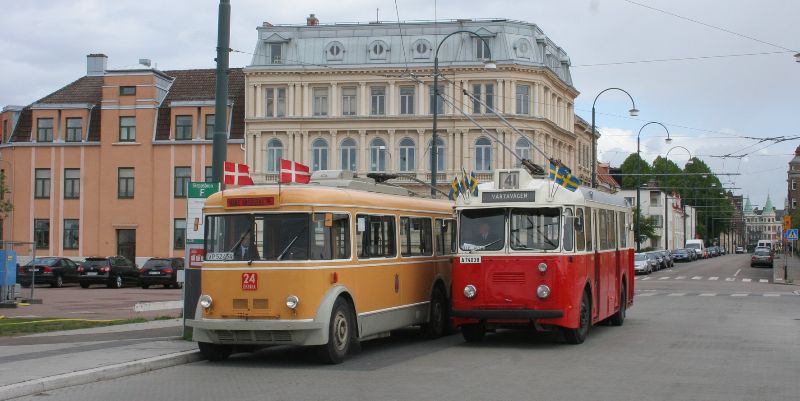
(340, 334)
(215, 352)
(437, 322)
(618, 318)
(578, 335)
(473, 333)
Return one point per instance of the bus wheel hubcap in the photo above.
(340, 331)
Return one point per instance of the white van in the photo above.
(697, 244)
(765, 243)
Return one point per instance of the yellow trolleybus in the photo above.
(325, 264)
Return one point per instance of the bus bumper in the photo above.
(507, 314)
(258, 332)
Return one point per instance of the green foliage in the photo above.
(6, 206)
(629, 166)
(647, 226)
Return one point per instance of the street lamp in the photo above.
(633, 112)
(638, 171)
(683, 204)
(489, 65)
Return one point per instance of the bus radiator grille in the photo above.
(239, 303)
(508, 277)
(260, 304)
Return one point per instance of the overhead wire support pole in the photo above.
(633, 112)
(220, 144)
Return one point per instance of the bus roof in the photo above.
(256, 197)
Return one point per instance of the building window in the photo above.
(210, 126)
(659, 220)
(72, 183)
(408, 155)
(182, 177)
(127, 90)
(441, 156)
(335, 51)
(320, 107)
(523, 149)
(655, 198)
(483, 154)
(209, 174)
(485, 93)
(276, 53)
(348, 155)
(179, 233)
(523, 99)
(377, 155)
(481, 50)
(183, 127)
(41, 183)
(630, 200)
(125, 183)
(41, 233)
(127, 129)
(794, 185)
(407, 94)
(275, 102)
(319, 155)
(434, 100)
(274, 155)
(794, 203)
(74, 129)
(377, 101)
(378, 49)
(71, 233)
(44, 130)
(349, 105)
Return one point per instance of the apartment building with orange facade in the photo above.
(100, 166)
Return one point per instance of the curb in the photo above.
(87, 376)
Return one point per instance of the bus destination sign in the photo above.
(260, 201)
(509, 196)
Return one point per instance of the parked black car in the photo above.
(113, 271)
(681, 255)
(163, 271)
(51, 270)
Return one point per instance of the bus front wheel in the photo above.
(578, 335)
(340, 334)
(473, 333)
(438, 320)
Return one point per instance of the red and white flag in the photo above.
(237, 174)
(294, 172)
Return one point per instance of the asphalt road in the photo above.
(688, 337)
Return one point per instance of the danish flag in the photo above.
(237, 174)
(294, 172)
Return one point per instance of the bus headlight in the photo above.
(205, 301)
(542, 267)
(543, 291)
(470, 291)
(292, 301)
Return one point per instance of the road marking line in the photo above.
(664, 278)
(730, 279)
(646, 294)
(676, 294)
(737, 273)
(746, 280)
(697, 277)
(770, 294)
(739, 295)
(763, 280)
(646, 278)
(715, 278)
(680, 277)
(707, 294)
(638, 278)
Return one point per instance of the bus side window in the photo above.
(568, 230)
(580, 237)
(375, 236)
(612, 231)
(587, 228)
(623, 240)
(415, 236)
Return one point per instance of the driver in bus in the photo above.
(246, 249)
(485, 234)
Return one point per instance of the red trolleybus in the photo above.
(535, 254)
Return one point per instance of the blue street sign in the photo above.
(791, 234)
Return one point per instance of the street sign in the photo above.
(787, 222)
(198, 192)
(791, 234)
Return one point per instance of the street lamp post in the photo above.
(683, 205)
(638, 186)
(633, 112)
(489, 65)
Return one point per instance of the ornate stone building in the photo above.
(359, 97)
(762, 224)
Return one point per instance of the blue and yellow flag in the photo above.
(473, 182)
(572, 182)
(561, 175)
(455, 189)
(553, 171)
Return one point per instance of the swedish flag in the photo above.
(473, 182)
(561, 175)
(455, 189)
(553, 171)
(572, 182)
(465, 185)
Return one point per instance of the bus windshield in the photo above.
(535, 229)
(482, 229)
(277, 236)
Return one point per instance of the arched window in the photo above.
(441, 156)
(408, 155)
(377, 155)
(347, 155)
(274, 155)
(319, 155)
(523, 149)
(483, 154)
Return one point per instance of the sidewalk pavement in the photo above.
(42, 362)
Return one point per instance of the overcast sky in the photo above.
(709, 106)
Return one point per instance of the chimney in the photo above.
(96, 64)
(312, 20)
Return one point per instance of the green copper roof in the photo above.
(768, 208)
(748, 208)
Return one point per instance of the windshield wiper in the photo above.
(288, 246)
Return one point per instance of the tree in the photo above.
(6, 206)
(647, 227)
(629, 167)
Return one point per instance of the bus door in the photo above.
(380, 282)
(597, 284)
(417, 270)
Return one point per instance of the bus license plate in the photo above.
(470, 259)
(249, 281)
